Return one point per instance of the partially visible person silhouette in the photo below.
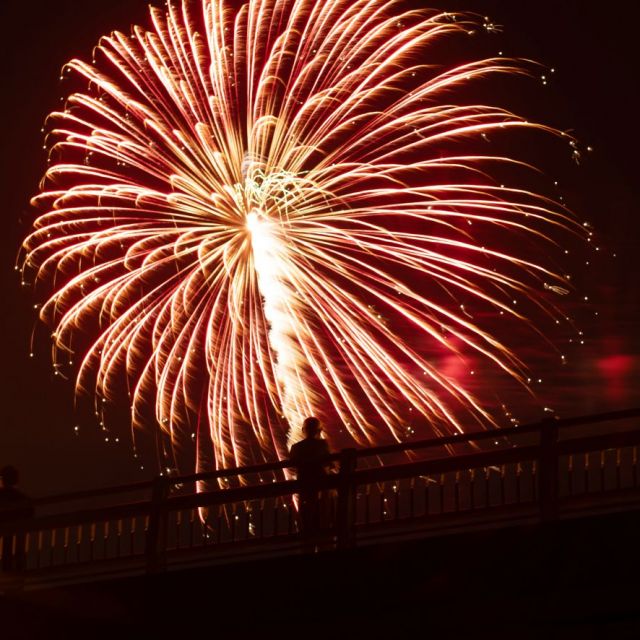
(14, 505)
(310, 459)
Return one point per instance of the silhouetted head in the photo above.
(9, 476)
(311, 427)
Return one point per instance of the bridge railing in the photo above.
(540, 471)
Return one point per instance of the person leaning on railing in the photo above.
(14, 506)
(310, 458)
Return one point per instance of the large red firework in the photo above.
(282, 210)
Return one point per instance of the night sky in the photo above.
(593, 47)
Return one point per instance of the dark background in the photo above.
(594, 51)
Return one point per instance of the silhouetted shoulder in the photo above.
(309, 448)
(14, 504)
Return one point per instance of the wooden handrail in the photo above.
(417, 445)
(360, 477)
(545, 452)
(476, 436)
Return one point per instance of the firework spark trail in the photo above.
(279, 310)
(245, 208)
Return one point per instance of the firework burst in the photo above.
(277, 211)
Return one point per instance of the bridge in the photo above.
(553, 470)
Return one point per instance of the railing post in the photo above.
(156, 540)
(346, 492)
(548, 471)
(14, 559)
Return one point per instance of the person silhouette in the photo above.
(309, 456)
(14, 505)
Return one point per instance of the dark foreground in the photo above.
(572, 579)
